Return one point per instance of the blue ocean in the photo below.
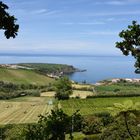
(97, 67)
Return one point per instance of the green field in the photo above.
(19, 76)
(94, 105)
(120, 88)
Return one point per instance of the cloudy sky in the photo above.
(69, 26)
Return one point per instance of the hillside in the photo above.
(20, 76)
(46, 68)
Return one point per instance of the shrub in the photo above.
(105, 117)
(118, 131)
(92, 125)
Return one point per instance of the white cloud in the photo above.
(44, 12)
(91, 23)
(94, 14)
(118, 2)
(116, 19)
(137, 12)
(115, 2)
(40, 11)
(102, 33)
(83, 23)
(67, 23)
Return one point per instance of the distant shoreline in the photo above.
(117, 80)
(97, 67)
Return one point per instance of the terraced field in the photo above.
(23, 110)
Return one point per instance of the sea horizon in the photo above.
(56, 54)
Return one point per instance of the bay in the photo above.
(97, 67)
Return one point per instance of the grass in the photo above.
(94, 105)
(120, 88)
(23, 110)
(76, 135)
(19, 76)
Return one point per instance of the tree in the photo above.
(92, 125)
(53, 126)
(63, 88)
(131, 43)
(125, 110)
(7, 22)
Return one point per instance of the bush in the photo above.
(117, 130)
(105, 117)
(15, 132)
(92, 125)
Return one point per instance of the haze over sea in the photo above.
(98, 67)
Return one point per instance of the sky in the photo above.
(81, 27)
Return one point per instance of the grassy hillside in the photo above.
(20, 76)
(47, 68)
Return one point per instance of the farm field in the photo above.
(120, 88)
(27, 109)
(82, 86)
(94, 105)
(76, 93)
(23, 110)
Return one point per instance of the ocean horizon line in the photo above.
(57, 55)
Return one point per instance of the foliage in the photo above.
(106, 118)
(125, 110)
(63, 88)
(92, 125)
(131, 42)
(7, 22)
(117, 130)
(14, 132)
(52, 127)
(10, 90)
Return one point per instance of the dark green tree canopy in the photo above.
(131, 43)
(7, 22)
(63, 88)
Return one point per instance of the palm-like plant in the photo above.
(126, 109)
